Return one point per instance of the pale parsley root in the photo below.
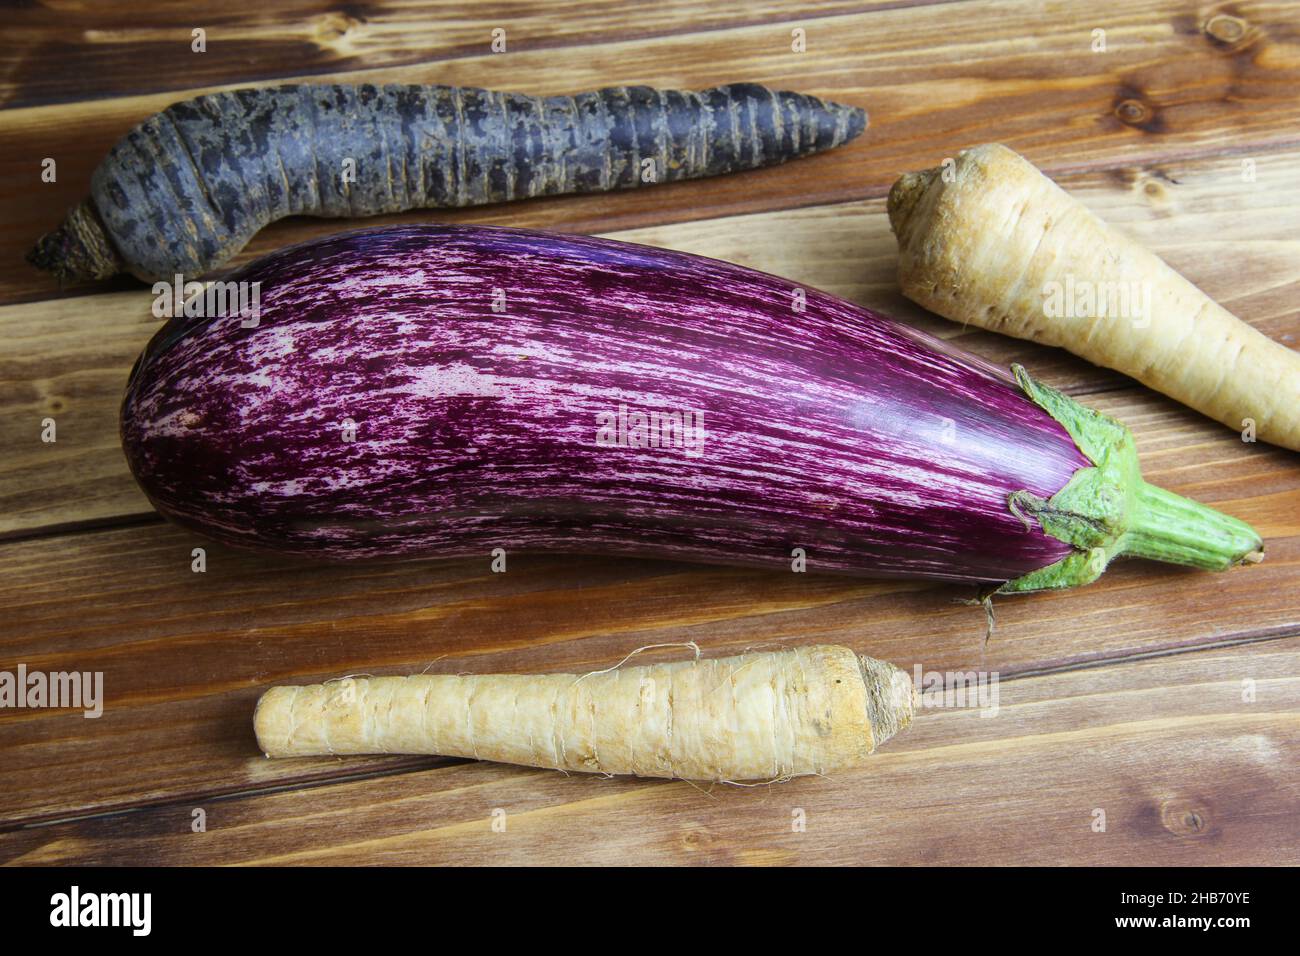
(988, 239)
(758, 716)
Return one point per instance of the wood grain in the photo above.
(248, 42)
(68, 359)
(1192, 759)
(1125, 696)
(933, 78)
(184, 655)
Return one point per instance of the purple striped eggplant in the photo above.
(443, 391)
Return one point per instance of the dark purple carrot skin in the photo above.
(190, 186)
(877, 449)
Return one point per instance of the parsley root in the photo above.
(990, 241)
(757, 716)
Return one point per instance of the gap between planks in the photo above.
(405, 764)
(955, 67)
(1150, 716)
(685, 213)
(422, 57)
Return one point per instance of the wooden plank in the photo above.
(184, 655)
(1153, 134)
(68, 359)
(933, 80)
(66, 363)
(249, 42)
(1186, 766)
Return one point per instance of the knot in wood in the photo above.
(335, 26)
(1226, 28)
(1132, 112)
(1184, 820)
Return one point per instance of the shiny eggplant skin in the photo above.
(441, 391)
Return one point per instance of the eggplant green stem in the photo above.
(1107, 510)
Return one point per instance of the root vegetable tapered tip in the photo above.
(853, 118)
(839, 124)
(272, 734)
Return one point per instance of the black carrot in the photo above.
(185, 190)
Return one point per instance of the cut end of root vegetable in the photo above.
(756, 717)
(904, 196)
(891, 698)
(77, 250)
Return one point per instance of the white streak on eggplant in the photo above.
(878, 449)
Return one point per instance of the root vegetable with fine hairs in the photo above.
(982, 241)
(758, 716)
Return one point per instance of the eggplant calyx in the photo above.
(1107, 510)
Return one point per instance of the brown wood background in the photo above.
(1167, 699)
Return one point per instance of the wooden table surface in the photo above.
(1160, 701)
